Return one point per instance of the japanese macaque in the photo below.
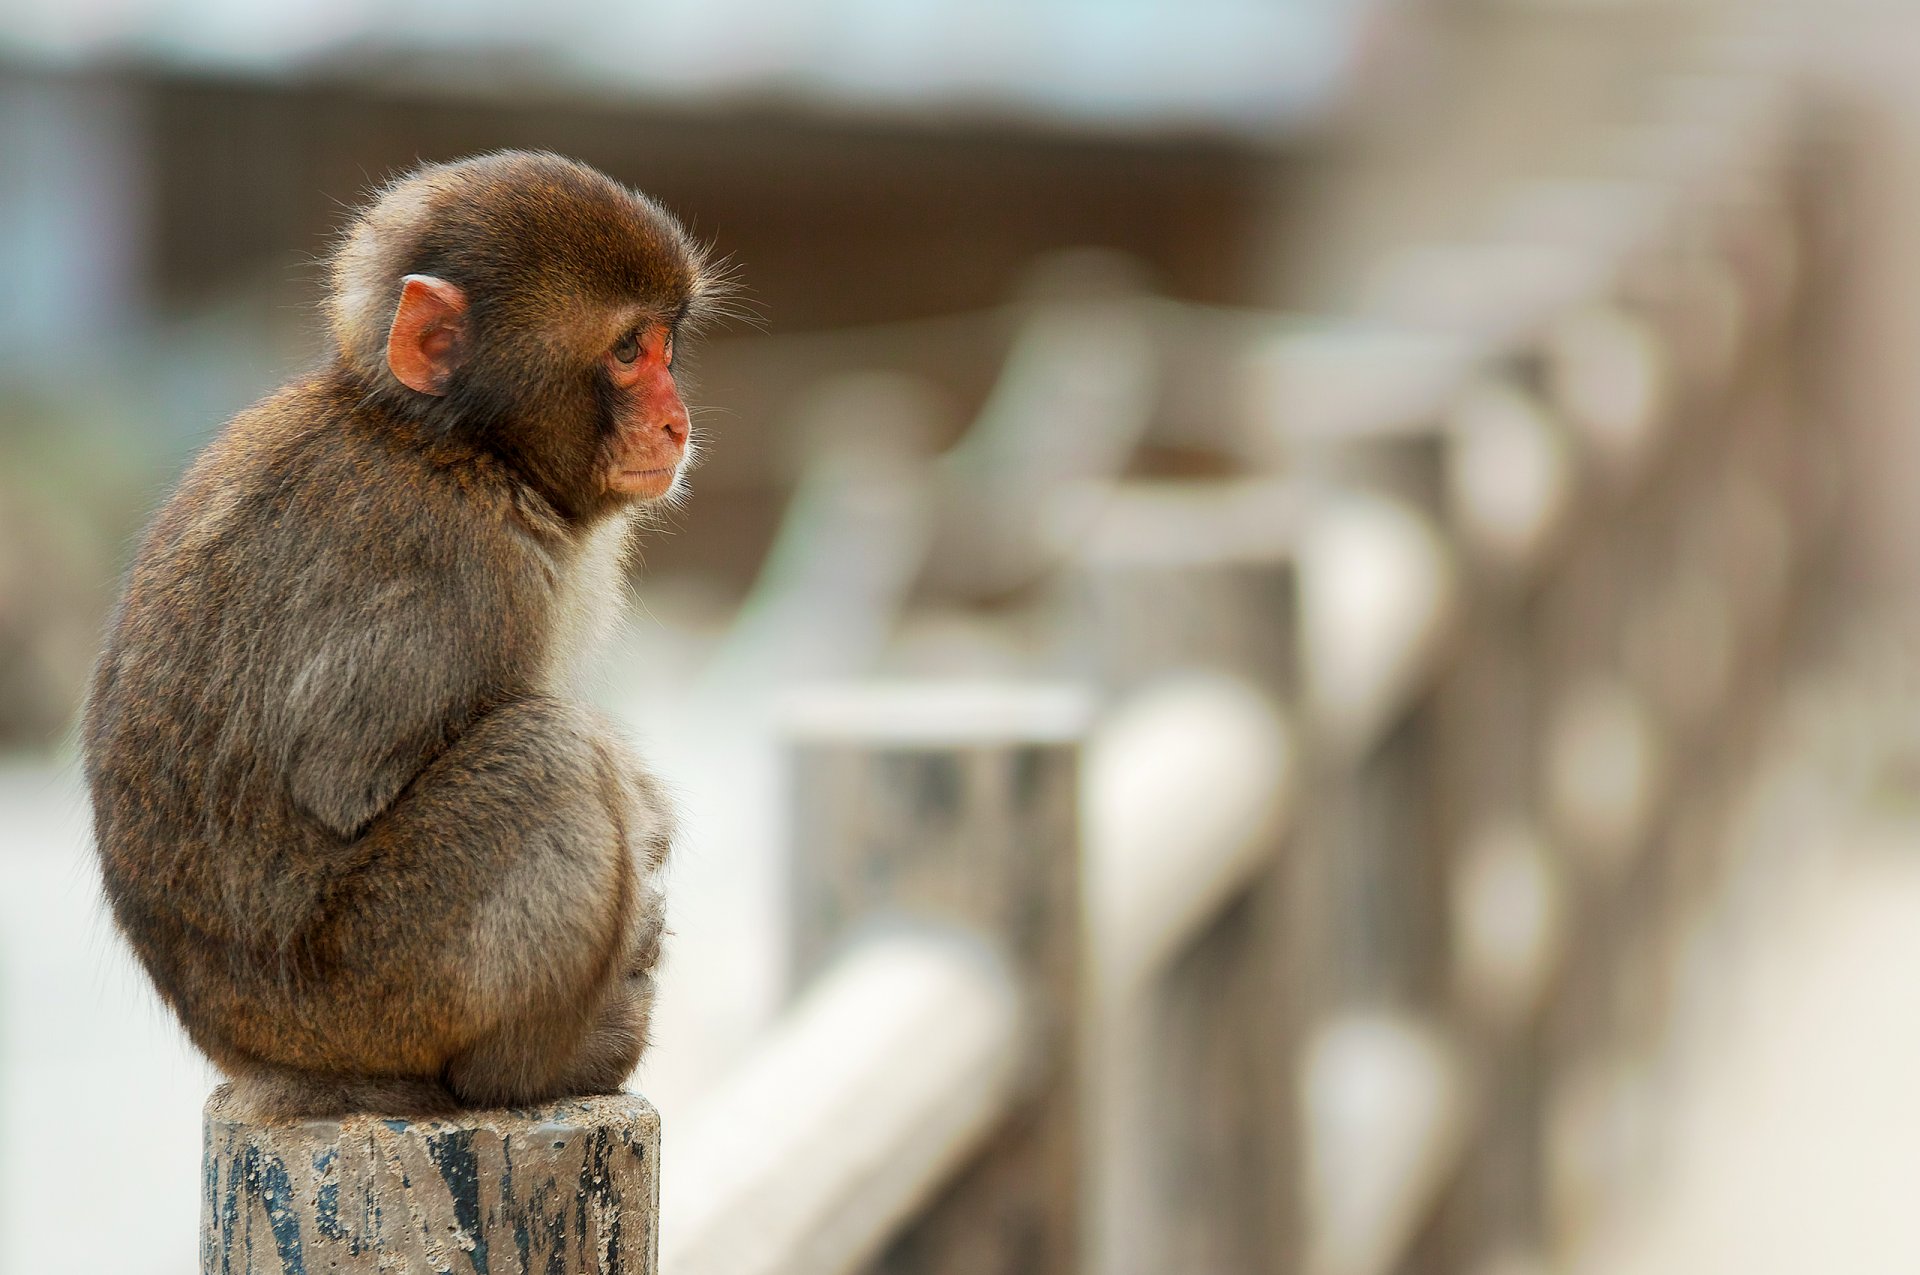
(371, 852)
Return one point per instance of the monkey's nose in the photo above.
(675, 423)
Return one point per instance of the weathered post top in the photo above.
(570, 1187)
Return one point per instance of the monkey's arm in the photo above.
(521, 846)
(405, 625)
(366, 711)
(493, 931)
(512, 835)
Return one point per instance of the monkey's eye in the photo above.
(628, 348)
(666, 348)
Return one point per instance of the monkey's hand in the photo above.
(649, 816)
(612, 1047)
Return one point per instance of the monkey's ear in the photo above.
(425, 343)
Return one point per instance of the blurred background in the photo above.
(1555, 357)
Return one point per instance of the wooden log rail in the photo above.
(828, 1141)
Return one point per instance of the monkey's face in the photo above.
(647, 423)
(579, 395)
(539, 304)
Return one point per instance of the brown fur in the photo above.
(369, 851)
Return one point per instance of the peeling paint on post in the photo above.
(568, 1189)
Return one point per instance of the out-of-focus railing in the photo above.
(1334, 925)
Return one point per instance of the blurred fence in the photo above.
(1311, 900)
(1320, 913)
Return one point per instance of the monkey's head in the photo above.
(530, 305)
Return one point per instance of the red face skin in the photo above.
(650, 421)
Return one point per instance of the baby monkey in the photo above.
(371, 852)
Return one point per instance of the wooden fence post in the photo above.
(1378, 612)
(1441, 803)
(1195, 1110)
(573, 1187)
(960, 803)
(1506, 878)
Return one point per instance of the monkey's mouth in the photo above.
(647, 483)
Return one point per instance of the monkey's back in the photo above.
(296, 641)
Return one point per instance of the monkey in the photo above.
(349, 816)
